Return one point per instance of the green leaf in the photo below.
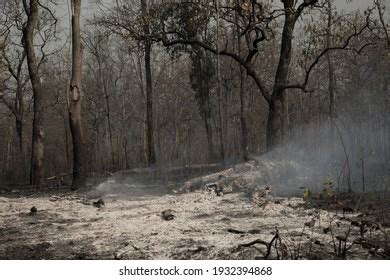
(328, 193)
(307, 193)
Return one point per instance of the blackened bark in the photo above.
(108, 116)
(243, 129)
(75, 98)
(19, 124)
(151, 156)
(209, 131)
(38, 134)
(205, 110)
(276, 113)
(275, 122)
(244, 132)
(150, 152)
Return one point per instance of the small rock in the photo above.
(167, 215)
(99, 203)
(33, 210)
(326, 230)
(214, 187)
(278, 201)
(310, 224)
(118, 256)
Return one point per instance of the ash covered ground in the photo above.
(131, 215)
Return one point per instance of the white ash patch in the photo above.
(205, 226)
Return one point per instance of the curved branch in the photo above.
(303, 85)
(302, 6)
(255, 47)
(232, 55)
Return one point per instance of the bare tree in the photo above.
(254, 28)
(17, 86)
(37, 174)
(18, 106)
(129, 22)
(150, 152)
(75, 98)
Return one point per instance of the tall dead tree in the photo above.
(36, 175)
(18, 106)
(243, 126)
(150, 152)
(75, 98)
(276, 100)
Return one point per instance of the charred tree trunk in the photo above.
(244, 132)
(209, 131)
(66, 143)
(75, 98)
(220, 121)
(205, 110)
(109, 125)
(19, 123)
(243, 128)
(276, 113)
(151, 155)
(20, 131)
(275, 121)
(38, 134)
(221, 135)
(8, 154)
(150, 152)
